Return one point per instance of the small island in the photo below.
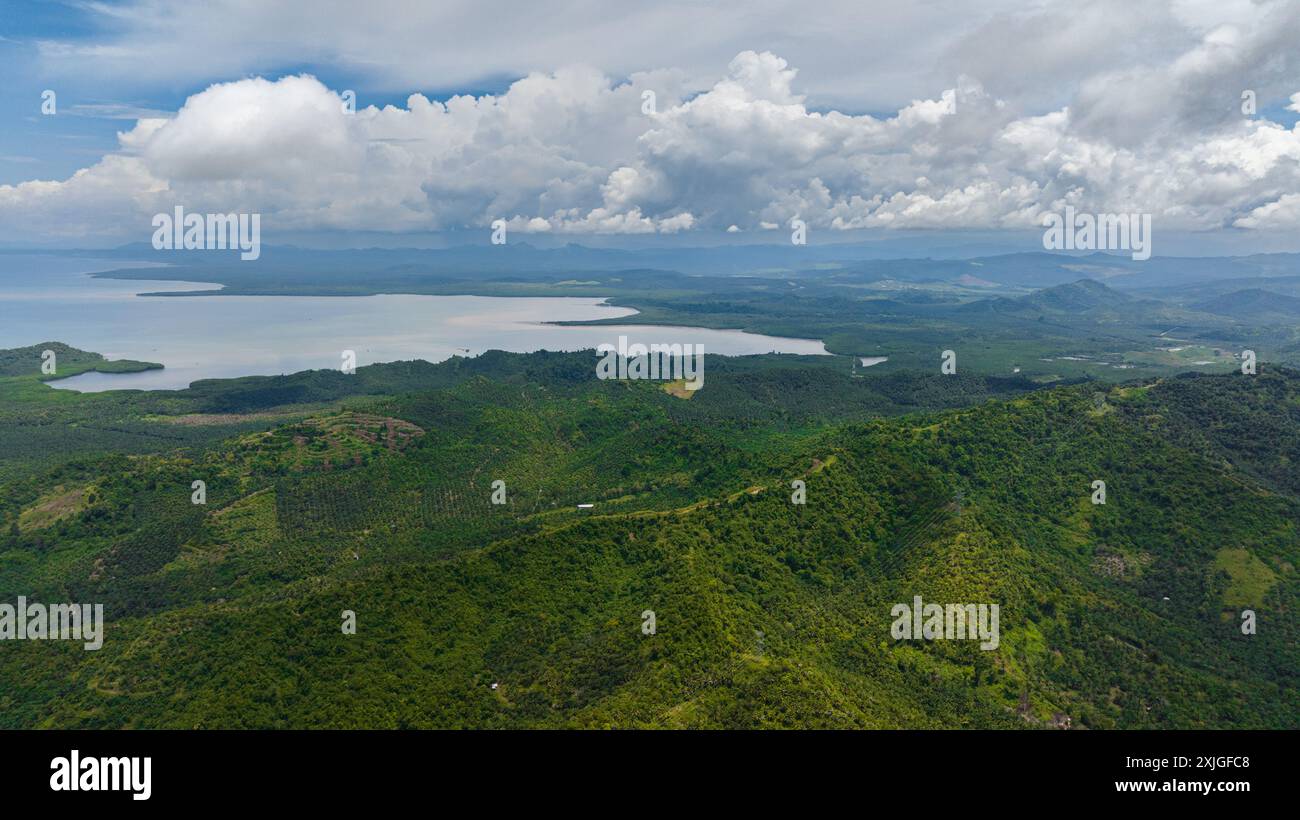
(68, 361)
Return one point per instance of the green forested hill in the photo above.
(65, 360)
(372, 494)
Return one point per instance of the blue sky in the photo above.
(853, 117)
(34, 146)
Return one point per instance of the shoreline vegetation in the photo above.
(1049, 317)
(25, 362)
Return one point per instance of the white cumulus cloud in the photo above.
(571, 151)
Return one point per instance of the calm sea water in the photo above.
(50, 298)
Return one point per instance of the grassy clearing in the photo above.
(1250, 578)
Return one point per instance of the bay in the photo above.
(53, 298)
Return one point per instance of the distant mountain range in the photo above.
(1082, 300)
(858, 263)
(1252, 303)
